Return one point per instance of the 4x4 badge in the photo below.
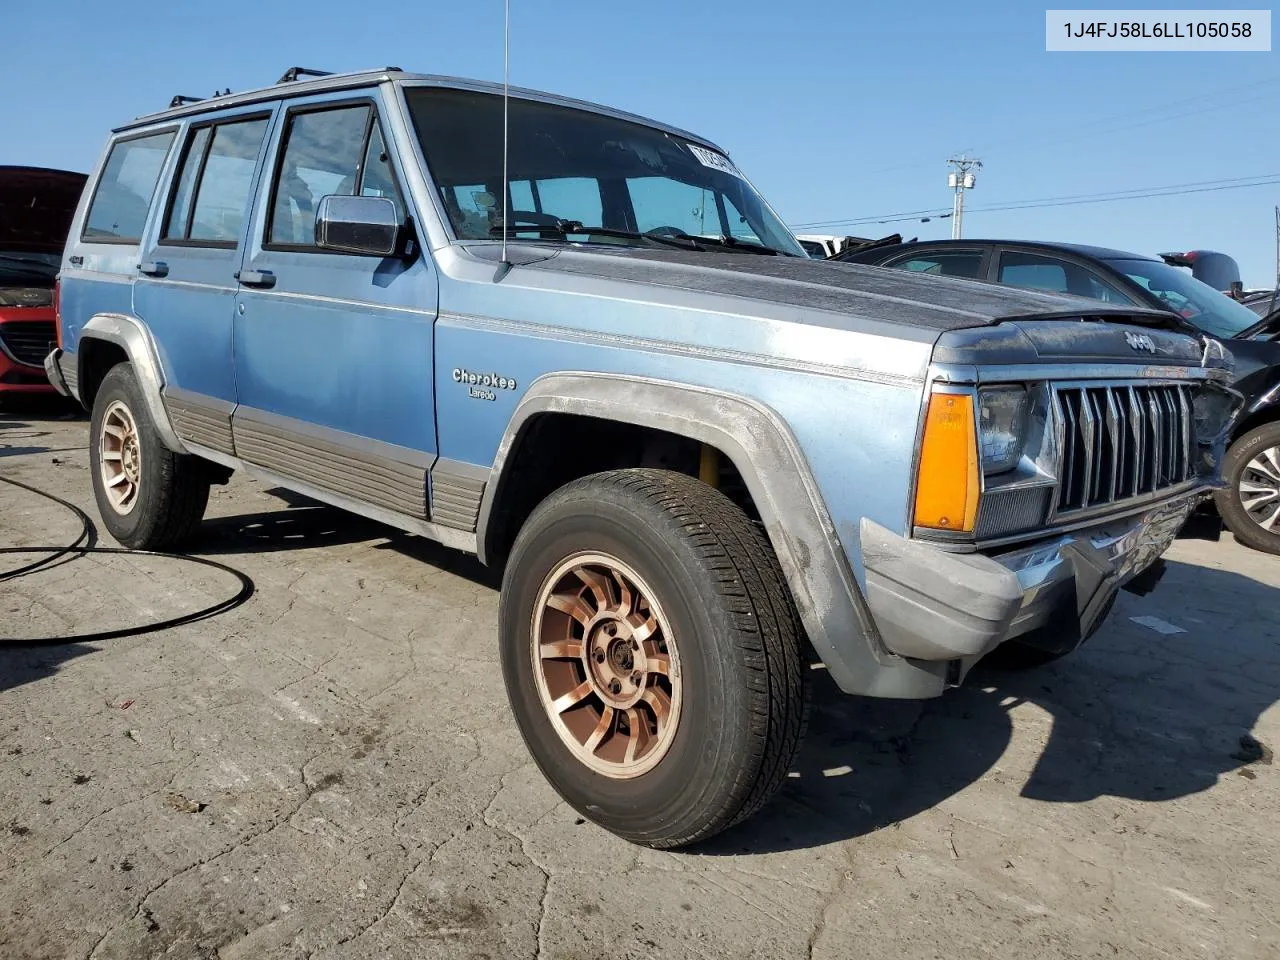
(1140, 341)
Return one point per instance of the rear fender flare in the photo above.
(131, 335)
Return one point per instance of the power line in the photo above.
(1091, 128)
(1138, 193)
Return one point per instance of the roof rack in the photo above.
(293, 73)
(180, 99)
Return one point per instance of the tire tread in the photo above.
(743, 569)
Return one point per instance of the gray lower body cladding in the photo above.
(344, 468)
(202, 420)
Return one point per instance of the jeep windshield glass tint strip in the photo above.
(576, 165)
(1211, 311)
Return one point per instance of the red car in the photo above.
(36, 207)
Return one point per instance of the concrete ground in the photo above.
(330, 771)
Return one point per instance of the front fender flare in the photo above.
(131, 335)
(773, 466)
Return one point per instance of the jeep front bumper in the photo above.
(932, 605)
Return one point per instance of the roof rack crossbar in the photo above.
(181, 98)
(293, 73)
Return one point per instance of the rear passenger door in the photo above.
(185, 289)
(333, 350)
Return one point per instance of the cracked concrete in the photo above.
(330, 772)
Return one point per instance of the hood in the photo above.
(36, 208)
(846, 289)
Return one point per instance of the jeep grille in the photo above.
(1122, 441)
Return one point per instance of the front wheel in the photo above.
(149, 497)
(651, 652)
(1250, 504)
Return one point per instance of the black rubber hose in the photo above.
(76, 550)
(87, 538)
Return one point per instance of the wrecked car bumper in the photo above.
(932, 605)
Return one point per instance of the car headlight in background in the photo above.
(1002, 427)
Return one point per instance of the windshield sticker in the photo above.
(716, 161)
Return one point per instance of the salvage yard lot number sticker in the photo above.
(1158, 30)
(716, 161)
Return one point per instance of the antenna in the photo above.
(506, 74)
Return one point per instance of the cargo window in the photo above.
(122, 198)
(214, 183)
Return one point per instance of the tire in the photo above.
(1253, 461)
(725, 654)
(161, 499)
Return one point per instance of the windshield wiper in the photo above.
(746, 246)
(561, 229)
(681, 241)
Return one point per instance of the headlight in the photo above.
(1002, 427)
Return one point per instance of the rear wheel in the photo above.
(1250, 504)
(651, 652)
(149, 497)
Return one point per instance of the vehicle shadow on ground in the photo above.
(1134, 715)
(309, 523)
(19, 435)
(20, 664)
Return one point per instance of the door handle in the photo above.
(154, 268)
(256, 278)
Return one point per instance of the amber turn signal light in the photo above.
(947, 484)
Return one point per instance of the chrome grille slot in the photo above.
(1121, 441)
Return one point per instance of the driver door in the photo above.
(333, 350)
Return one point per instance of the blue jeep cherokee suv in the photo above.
(611, 371)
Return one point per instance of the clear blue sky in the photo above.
(834, 110)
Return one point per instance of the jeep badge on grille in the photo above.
(1140, 341)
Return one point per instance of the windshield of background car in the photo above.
(570, 164)
(22, 269)
(1204, 306)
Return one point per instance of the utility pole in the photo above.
(1278, 248)
(960, 180)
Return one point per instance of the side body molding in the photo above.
(762, 447)
(135, 339)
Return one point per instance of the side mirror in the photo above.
(368, 226)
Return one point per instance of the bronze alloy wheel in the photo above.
(606, 665)
(120, 457)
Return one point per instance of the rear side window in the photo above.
(958, 263)
(1033, 272)
(213, 186)
(123, 195)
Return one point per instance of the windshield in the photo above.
(1204, 306)
(576, 165)
(20, 269)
